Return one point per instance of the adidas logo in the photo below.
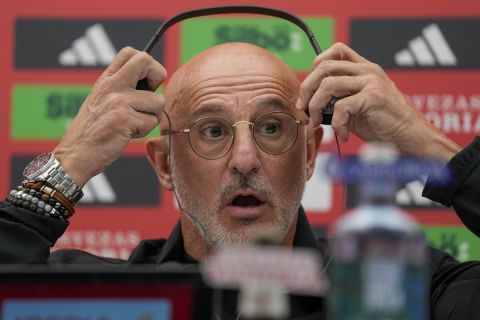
(427, 50)
(98, 190)
(93, 49)
(411, 196)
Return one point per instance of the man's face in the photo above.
(247, 193)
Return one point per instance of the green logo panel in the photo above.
(282, 38)
(45, 112)
(457, 241)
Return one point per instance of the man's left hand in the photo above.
(370, 105)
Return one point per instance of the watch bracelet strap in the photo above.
(59, 179)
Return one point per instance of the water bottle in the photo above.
(379, 269)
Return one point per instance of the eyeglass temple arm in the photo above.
(143, 85)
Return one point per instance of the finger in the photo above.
(143, 124)
(339, 86)
(141, 66)
(147, 102)
(343, 115)
(339, 51)
(328, 68)
(131, 114)
(120, 59)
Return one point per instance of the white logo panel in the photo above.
(94, 48)
(318, 195)
(427, 50)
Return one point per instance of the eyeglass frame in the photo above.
(250, 124)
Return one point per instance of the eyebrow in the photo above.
(274, 104)
(270, 104)
(214, 109)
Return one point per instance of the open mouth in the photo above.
(246, 205)
(246, 201)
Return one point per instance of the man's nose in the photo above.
(244, 153)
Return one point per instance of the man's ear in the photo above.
(157, 151)
(314, 138)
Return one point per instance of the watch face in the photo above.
(33, 168)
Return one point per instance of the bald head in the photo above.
(230, 61)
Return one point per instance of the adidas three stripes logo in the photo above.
(429, 49)
(94, 48)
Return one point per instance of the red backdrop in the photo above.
(447, 93)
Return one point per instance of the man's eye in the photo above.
(213, 132)
(269, 128)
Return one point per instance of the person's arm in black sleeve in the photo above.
(26, 237)
(462, 193)
(455, 289)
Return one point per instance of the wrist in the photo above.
(424, 140)
(445, 149)
(46, 169)
(73, 167)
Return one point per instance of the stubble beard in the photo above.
(205, 218)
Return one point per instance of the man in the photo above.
(237, 150)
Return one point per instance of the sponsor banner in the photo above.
(449, 99)
(408, 193)
(418, 43)
(408, 196)
(106, 243)
(457, 241)
(72, 43)
(453, 113)
(45, 112)
(280, 37)
(128, 181)
(105, 309)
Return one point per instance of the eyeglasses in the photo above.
(213, 137)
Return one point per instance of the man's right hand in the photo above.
(113, 113)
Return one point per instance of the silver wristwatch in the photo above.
(46, 168)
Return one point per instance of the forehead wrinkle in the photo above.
(225, 61)
(267, 104)
(203, 90)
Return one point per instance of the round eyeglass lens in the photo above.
(275, 132)
(211, 138)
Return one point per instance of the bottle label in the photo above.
(374, 278)
(383, 285)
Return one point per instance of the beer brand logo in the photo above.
(282, 38)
